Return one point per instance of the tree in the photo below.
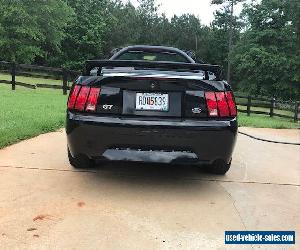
(230, 6)
(85, 34)
(267, 58)
(187, 33)
(129, 25)
(53, 18)
(123, 27)
(29, 31)
(215, 38)
(149, 22)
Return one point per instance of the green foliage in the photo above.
(20, 36)
(217, 45)
(267, 58)
(123, 27)
(84, 35)
(65, 33)
(183, 27)
(31, 29)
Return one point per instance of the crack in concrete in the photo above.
(133, 176)
(49, 169)
(233, 203)
(235, 208)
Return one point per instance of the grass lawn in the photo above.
(263, 121)
(25, 113)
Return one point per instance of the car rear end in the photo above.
(151, 116)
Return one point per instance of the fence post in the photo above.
(65, 81)
(296, 111)
(13, 76)
(272, 107)
(249, 105)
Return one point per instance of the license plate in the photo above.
(152, 101)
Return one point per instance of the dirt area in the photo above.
(46, 204)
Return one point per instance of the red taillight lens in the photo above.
(211, 103)
(81, 98)
(231, 103)
(73, 96)
(222, 104)
(92, 99)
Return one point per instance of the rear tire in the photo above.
(219, 167)
(80, 162)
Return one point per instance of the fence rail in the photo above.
(35, 71)
(253, 105)
(268, 107)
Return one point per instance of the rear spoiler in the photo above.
(176, 66)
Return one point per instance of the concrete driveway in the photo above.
(45, 204)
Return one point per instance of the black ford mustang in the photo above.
(151, 104)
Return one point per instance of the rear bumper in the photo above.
(176, 141)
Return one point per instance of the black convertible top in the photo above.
(189, 66)
(150, 48)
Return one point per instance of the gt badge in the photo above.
(107, 106)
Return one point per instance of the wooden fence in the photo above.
(65, 75)
(271, 107)
(246, 104)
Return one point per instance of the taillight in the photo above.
(83, 98)
(211, 103)
(73, 96)
(92, 99)
(220, 104)
(231, 103)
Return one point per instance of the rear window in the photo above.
(164, 56)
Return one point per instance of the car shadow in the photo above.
(135, 173)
